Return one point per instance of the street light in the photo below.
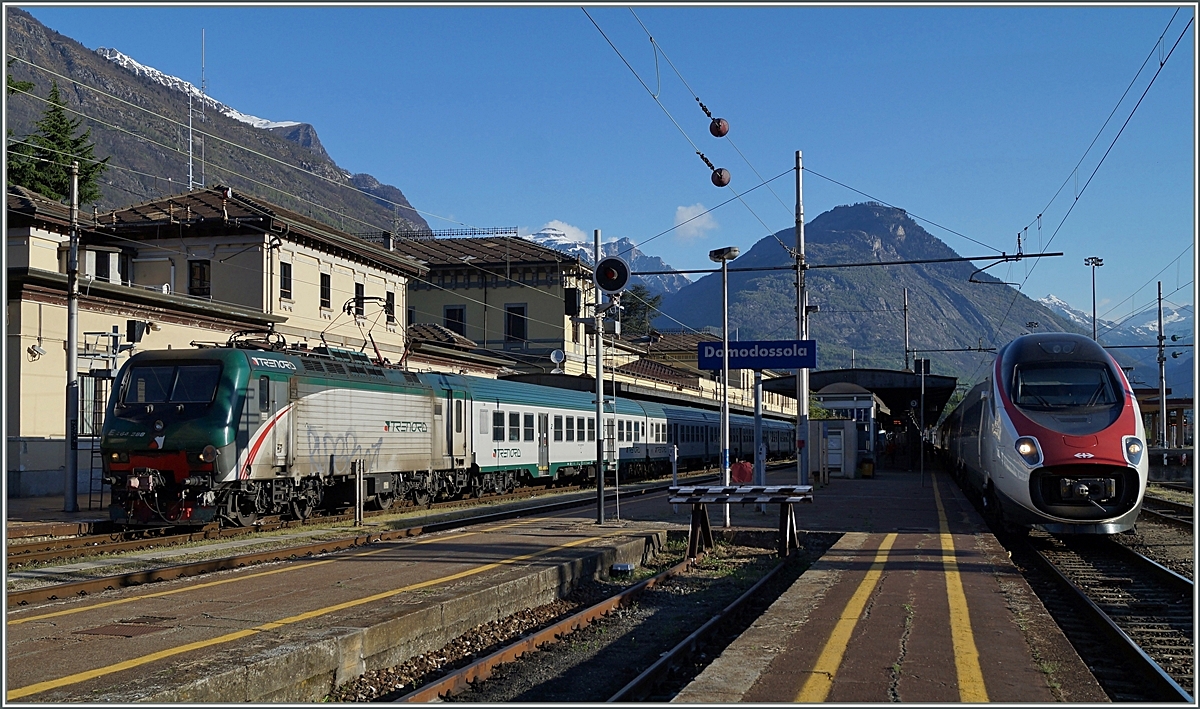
(724, 256)
(1093, 261)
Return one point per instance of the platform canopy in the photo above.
(897, 389)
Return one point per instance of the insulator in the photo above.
(719, 127)
(720, 177)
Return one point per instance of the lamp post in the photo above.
(724, 256)
(1093, 261)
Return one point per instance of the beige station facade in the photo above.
(199, 266)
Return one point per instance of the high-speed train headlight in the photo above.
(209, 454)
(1134, 448)
(1029, 450)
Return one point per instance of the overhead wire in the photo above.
(1088, 182)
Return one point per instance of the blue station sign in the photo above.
(760, 354)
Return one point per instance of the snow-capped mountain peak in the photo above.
(174, 82)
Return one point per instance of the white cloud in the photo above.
(699, 223)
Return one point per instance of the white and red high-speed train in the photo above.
(1052, 438)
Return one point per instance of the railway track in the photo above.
(1169, 511)
(1140, 611)
(68, 548)
(1181, 487)
(53, 592)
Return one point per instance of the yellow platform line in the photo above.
(966, 656)
(817, 687)
(237, 635)
(247, 577)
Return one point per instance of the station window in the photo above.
(454, 317)
(529, 427)
(570, 428)
(326, 290)
(515, 327)
(200, 278)
(558, 428)
(285, 280)
(514, 426)
(579, 428)
(591, 423)
(389, 307)
(360, 294)
(498, 426)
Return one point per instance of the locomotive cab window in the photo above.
(1042, 386)
(161, 384)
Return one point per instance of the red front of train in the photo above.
(1064, 449)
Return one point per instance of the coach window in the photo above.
(621, 430)
(529, 427)
(458, 415)
(514, 426)
(498, 426)
(558, 428)
(579, 428)
(570, 428)
(637, 431)
(591, 429)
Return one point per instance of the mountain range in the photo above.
(283, 162)
(1133, 333)
(623, 247)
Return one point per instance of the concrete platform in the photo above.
(44, 517)
(917, 602)
(291, 632)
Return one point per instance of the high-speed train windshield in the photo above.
(1045, 386)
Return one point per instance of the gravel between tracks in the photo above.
(1168, 544)
(592, 664)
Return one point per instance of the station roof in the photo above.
(484, 252)
(210, 211)
(896, 389)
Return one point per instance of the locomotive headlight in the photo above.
(1133, 449)
(209, 454)
(1029, 450)
(119, 457)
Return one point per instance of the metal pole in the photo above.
(725, 379)
(1094, 301)
(358, 492)
(1162, 374)
(599, 320)
(674, 472)
(921, 438)
(71, 466)
(760, 459)
(801, 330)
(906, 331)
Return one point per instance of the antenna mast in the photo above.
(203, 116)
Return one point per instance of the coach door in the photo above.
(456, 434)
(543, 443)
(272, 398)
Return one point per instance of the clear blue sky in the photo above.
(971, 117)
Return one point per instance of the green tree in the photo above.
(638, 308)
(43, 162)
